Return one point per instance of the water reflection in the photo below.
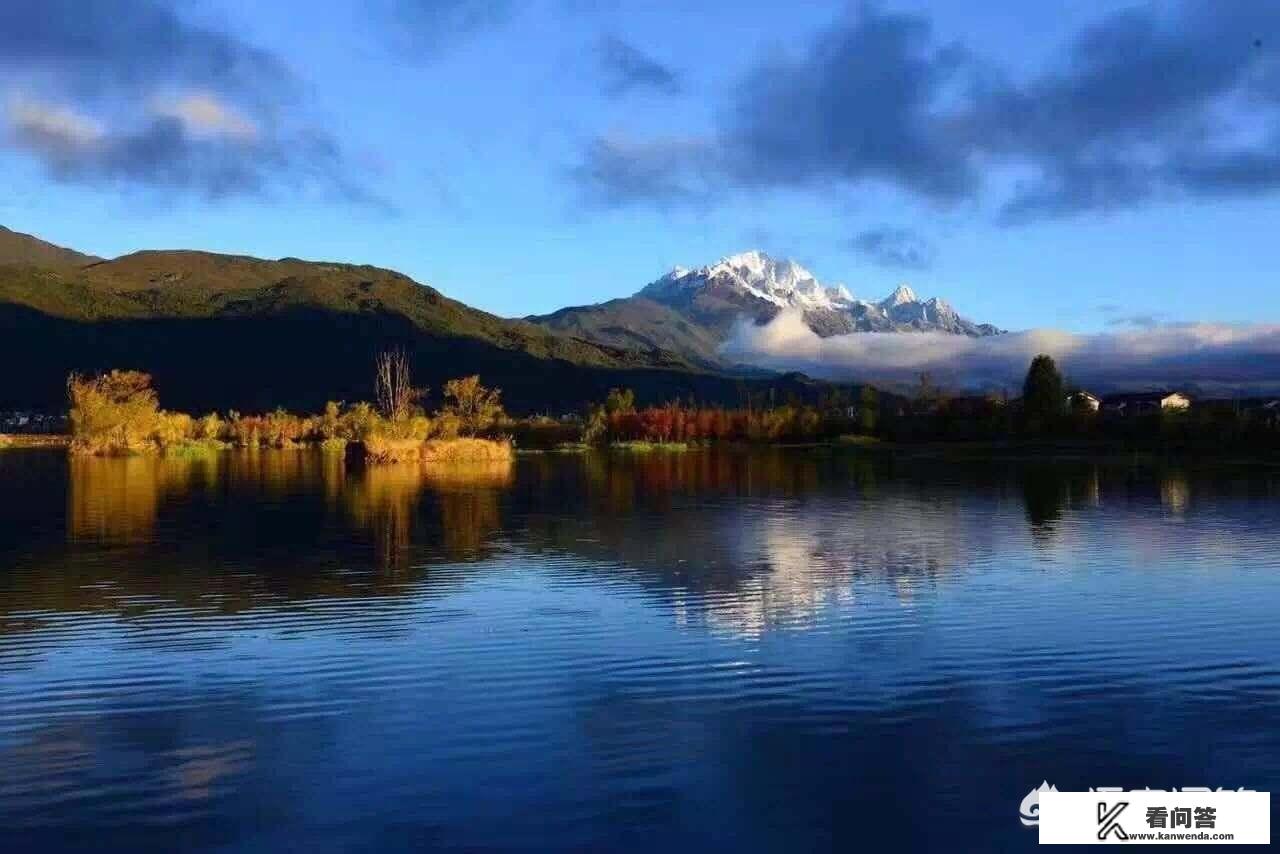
(1049, 491)
(1175, 492)
(469, 505)
(281, 649)
(745, 540)
(385, 501)
(117, 499)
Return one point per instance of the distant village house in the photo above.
(1145, 403)
(1083, 400)
(32, 422)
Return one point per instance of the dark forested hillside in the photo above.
(220, 332)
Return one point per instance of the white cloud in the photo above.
(1212, 357)
(204, 114)
(52, 125)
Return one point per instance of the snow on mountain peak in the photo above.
(752, 278)
(839, 293)
(901, 295)
(753, 260)
(783, 283)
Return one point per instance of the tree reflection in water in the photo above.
(116, 500)
(385, 502)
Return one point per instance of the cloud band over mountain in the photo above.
(1213, 358)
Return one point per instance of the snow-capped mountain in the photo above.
(692, 312)
(754, 283)
(782, 283)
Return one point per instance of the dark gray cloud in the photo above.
(898, 248)
(861, 105)
(1161, 101)
(128, 94)
(626, 68)
(86, 48)
(617, 171)
(170, 153)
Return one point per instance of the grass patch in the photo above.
(855, 440)
(643, 447)
(466, 451)
(334, 445)
(194, 449)
(379, 449)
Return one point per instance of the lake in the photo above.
(719, 650)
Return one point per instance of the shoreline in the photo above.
(1013, 450)
(35, 440)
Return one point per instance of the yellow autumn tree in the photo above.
(475, 406)
(112, 413)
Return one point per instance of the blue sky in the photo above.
(1085, 168)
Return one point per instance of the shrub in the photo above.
(280, 429)
(357, 422)
(210, 427)
(244, 430)
(331, 421)
(415, 428)
(447, 426)
(475, 406)
(173, 428)
(114, 413)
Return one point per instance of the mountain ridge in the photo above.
(17, 247)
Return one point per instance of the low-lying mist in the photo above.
(1210, 358)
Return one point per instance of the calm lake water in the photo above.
(765, 651)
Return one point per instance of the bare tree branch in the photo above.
(393, 385)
